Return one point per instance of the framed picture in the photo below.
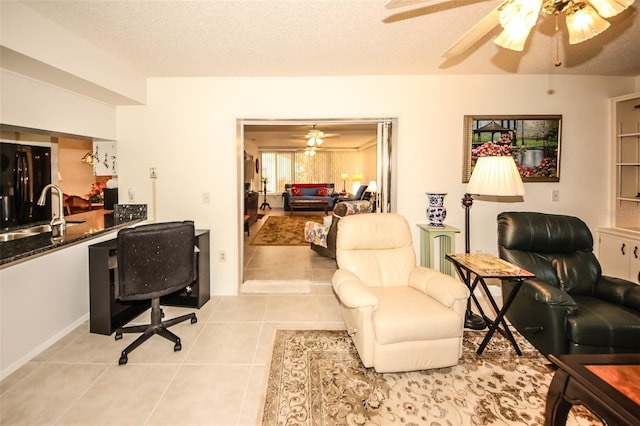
(532, 140)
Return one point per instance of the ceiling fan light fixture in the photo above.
(609, 8)
(314, 137)
(583, 23)
(520, 12)
(517, 17)
(513, 38)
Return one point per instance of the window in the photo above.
(281, 167)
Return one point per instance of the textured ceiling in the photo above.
(329, 37)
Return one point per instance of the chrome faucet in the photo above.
(58, 224)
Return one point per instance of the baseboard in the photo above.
(42, 347)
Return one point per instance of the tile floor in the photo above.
(283, 262)
(217, 379)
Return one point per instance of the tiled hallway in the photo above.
(284, 262)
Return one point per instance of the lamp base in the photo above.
(474, 321)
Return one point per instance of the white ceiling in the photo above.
(329, 37)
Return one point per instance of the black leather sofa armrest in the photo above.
(618, 291)
(285, 201)
(543, 292)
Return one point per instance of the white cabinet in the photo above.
(619, 254)
(626, 144)
(619, 245)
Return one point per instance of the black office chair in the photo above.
(155, 260)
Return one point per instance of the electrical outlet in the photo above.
(222, 256)
(206, 198)
(555, 195)
(153, 173)
(132, 194)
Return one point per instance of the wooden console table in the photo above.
(106, 313)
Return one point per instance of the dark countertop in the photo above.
(93, 224)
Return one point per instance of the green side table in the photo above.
(447, 239)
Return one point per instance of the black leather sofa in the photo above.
(569, 307)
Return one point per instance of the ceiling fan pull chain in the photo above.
(558, 62)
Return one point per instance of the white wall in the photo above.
(33, 104)
(42, 300)
(38, 47)
(188, 131)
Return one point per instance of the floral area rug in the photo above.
(283, 231)
(316, 378)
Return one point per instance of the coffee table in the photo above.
(306, 204)
(607, 384)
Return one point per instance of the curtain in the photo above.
(281, 167)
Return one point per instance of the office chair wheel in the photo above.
(194, 320)
(118, 336)
(178, 346)
(123, 359)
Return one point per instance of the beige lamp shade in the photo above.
(497, 176)
(344, 176)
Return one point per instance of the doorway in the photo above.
(371, 138)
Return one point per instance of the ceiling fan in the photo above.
(316, 137)
(584, 18)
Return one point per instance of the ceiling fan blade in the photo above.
(394, 4)
(478, 31)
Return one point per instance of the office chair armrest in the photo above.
(351, 291)
(441, 287)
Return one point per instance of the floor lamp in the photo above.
(495, 176)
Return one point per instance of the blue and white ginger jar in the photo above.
(436, 212)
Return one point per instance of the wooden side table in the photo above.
(473, 269)
(447, 239)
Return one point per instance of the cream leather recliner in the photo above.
(402, 317)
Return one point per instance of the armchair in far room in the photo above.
(75, 204)
(358, 196)
(322, 238)
(569, 307)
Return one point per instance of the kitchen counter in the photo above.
(80, 227)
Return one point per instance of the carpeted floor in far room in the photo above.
(316, 378)
(283, 231)
(282, 263)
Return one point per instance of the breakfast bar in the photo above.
(44, 282)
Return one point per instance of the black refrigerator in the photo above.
(25, 171)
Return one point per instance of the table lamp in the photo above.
(344, 177)
(495, 176)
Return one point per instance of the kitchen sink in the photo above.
(15, 235)
(29, 232)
